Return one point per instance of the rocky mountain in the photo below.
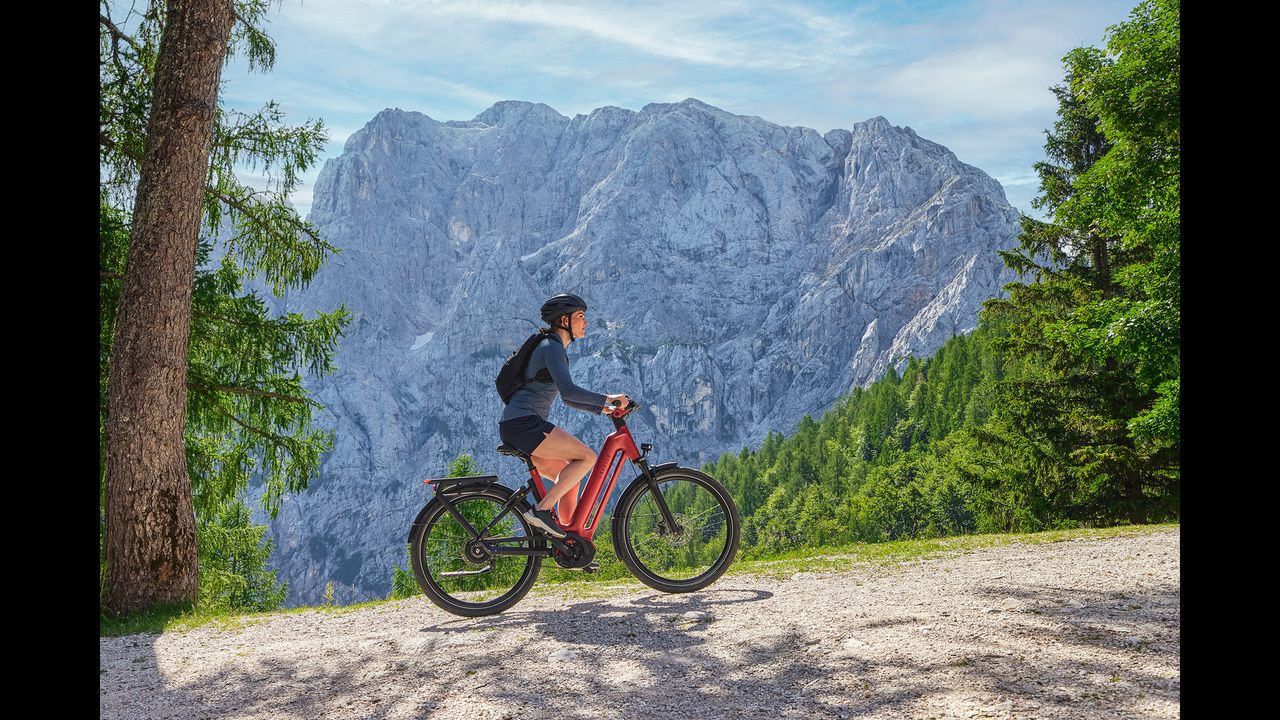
(740, 275)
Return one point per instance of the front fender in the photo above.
(659, 468)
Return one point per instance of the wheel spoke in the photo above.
(464, 576)
(708, 532)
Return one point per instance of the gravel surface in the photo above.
(1079, 629)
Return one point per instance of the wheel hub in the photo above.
(679, 537)
(476, 553)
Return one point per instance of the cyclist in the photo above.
(559, 456)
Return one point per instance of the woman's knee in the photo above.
(549, 467)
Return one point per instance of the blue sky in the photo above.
(972, 75)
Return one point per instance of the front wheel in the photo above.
(459, 572)
(694, 552)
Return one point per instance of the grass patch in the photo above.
(173, 618)
(613, 574)
(889, 554)
(182, 618)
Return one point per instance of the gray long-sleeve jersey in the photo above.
(535, 397)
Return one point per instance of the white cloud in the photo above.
(720, 34)
(982, 82)
(973, 76)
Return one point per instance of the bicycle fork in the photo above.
(650, 477)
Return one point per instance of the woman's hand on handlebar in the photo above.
(613, 402)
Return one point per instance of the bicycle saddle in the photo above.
(506, 449)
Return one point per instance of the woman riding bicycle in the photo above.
(559, 456)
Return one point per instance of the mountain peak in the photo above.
(510, 112)
(879, 122)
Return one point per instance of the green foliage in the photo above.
(1062, 408)
(878, 466)
(403, 583)
(463, 466)
(248, 417)
(233, 557)
(1093, 409)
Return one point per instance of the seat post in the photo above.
(535, 478)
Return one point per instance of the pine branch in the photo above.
(247, 426)
(117, 34)
(232, 202)
(222, 318)
(242, 21)
(108, 143)
(248, 391)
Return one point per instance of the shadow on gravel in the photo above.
(587, 614)
(260, 687)
(1109, 627)
(776, 678)
(1031, 661)
(1028, 652)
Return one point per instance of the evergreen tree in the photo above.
(233, 562)
(403, 583)
(1093, 410)
(246, 414)
(150, 538)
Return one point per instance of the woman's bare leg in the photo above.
(560, 444)
(550, 468)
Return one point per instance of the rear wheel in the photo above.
(692, 554)
(460, 573)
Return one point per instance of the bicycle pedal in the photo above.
(591, 567)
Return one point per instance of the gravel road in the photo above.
(1080, 629)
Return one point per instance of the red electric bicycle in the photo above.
(675, 528)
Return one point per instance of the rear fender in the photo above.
(475, 482)
(454, 484)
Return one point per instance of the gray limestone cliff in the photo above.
(740, 275)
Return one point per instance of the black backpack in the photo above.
(511, 376)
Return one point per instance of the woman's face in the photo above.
(578, 321)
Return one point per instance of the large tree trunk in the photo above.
(150, 521)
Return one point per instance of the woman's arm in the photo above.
(557, 361)
(584, 406)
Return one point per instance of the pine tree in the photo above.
(233, 562)
(150, 527)
(403, 583)
(246, 414)
(1093, 408)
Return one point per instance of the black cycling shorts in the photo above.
(525, 433)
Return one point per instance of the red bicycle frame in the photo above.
(618, 447)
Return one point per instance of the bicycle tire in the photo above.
(451, 536)
(637, 500)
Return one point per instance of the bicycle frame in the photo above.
(618, 447)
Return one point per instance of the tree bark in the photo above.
(150, 521)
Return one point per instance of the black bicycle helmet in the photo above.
(562, 304)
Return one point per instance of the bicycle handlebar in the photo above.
(619, 416)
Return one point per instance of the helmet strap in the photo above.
(569, 330)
